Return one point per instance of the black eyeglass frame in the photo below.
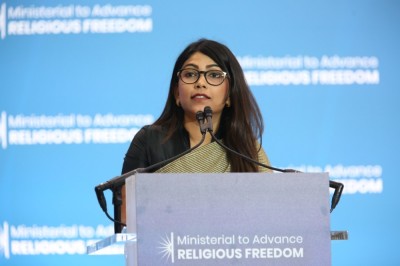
(225, 75)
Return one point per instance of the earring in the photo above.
(228, 103)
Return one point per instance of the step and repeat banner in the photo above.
(79, 78)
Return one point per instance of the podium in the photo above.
(226, 219)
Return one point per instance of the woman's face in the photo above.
(194, 97)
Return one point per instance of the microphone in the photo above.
(208, 115)
(338, 187)
(118, 181)
(200, 119)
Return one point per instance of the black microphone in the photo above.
(338, 187)
(208, 115)
(200, 119)
(113, 184)
(118, 181)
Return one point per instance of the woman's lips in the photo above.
(200, 96)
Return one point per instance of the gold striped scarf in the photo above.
(210, 158)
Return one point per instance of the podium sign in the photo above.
(230, 219)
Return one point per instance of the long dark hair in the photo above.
(241, 124)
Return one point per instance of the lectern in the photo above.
(227, 219)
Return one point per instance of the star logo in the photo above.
(167, 247)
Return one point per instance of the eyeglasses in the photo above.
(213, 77)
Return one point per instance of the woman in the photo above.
(205, 74)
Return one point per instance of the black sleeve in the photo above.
(136, 156)
(149, 147)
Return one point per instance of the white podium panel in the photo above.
(229, 219)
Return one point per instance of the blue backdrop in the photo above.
(79, 78)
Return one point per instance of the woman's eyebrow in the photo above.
(197, 67)
(212, 65)
(191, 65)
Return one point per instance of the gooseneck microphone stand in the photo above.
(338, 187)
(115, 184)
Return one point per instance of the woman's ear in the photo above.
(176, 95)
(228, 102)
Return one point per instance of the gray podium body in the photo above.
(229, 219)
